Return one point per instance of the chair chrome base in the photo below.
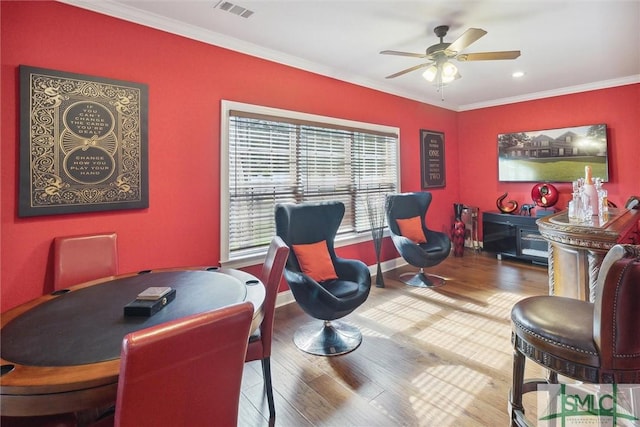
(422, 280)
(332, 339)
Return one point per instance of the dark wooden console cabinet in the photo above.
(514, 236)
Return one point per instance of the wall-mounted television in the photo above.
(553, 155)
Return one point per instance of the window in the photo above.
(272, 156)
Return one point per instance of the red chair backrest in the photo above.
(186, 372)
(78, 259)
(271, 276)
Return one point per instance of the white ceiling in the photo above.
(567, 46)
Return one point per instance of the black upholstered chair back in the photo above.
(300, 224)
(407, 205)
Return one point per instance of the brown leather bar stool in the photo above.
(590, 342)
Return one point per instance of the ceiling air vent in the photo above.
(234, 8)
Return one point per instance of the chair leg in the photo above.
(516, 409)
(331, 338)
(266, 372)
(422, 280)
(520, 387)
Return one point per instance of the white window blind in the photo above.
(295, 157)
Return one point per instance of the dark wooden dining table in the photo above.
(61, 352)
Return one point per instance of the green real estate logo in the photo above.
(588, 405)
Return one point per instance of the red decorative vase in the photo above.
(457, 234)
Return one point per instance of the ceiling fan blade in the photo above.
(465, 40)
(488, 56)
(395, 52)
(408, 70)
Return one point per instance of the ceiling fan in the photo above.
(439, 69)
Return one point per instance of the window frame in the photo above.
(257, 256)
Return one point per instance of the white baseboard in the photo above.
(286, 297)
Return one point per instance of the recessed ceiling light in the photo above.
(517, 74)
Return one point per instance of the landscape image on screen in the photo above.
(553, 155)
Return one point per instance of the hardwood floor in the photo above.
(429, 357)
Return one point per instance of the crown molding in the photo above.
(131, 14)
(554, 92)
(136, 16)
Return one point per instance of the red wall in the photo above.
(186, 80)
(618, 107)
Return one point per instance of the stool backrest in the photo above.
(617, 309)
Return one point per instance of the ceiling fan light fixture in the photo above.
(447, 79)
(449, 72)
(430, 73)
(440, 72)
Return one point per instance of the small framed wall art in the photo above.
(83, 143)
(432, 159)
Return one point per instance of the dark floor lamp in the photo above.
(376, 210)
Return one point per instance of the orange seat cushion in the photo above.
(411, 228)
(315, 261)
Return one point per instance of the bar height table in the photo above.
(576, 249)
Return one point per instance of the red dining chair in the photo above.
(77, 259)
(260, 341)
(186, 372)
(82, 258)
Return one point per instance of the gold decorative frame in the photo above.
(83, 143)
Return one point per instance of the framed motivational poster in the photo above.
(432, 159)
(83, 143)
